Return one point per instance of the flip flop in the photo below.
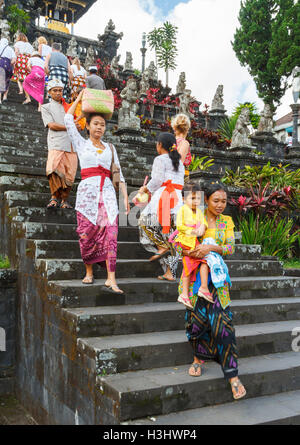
(196, 367)
(53, 206)
(162, 278)
(235, 389)
(90, 280)
(206, 296)
(65, 205)
(158, 256)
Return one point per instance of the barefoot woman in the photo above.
(96, 201)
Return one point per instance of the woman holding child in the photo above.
(96, 201)
(209, 326)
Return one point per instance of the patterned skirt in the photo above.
(6, 72)
(151, 237)
(77, 83)
(59, 72)
(21, 70)
(211, 333)
(98, 243)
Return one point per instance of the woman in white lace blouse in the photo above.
(158, 219)
(96, 201)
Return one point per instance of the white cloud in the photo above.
(206, 28)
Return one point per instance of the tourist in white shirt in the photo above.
(79, 74)
(7, 61)
(23, 50)
(96, 201)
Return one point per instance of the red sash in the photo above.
(96, 171)
(168, 200)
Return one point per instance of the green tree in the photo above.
(17, 19)
(163, 40)
(266, 47)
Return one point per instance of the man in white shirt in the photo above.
(62, 160)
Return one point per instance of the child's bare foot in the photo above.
(204, 293)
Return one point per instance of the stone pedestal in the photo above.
(296, 111)
(216, 116)
(266, 142)
(130, 135)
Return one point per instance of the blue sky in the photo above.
(165, 6)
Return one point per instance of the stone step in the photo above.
(65, 269)
(15, 142)
(152, 317)
(276, 409)
(23, 129)
(53, 248)
(35, 230)
(12, 184)
(74, 293)
(165, 390)
(38, 162)
(132, 352)
(22, 170)
(22, 153)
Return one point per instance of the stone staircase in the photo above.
(89, 356)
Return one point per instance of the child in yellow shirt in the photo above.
(191, 226)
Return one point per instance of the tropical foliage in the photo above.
(200, 163)
(17, 19)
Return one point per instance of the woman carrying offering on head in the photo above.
(181, 125)
(158, 219)
(96, 201)
(209, 326)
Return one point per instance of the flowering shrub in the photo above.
(117, 98)
(210, 137)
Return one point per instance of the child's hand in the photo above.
(201, 230)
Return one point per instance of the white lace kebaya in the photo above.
(88, 191)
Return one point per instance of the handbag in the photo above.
(115, 171)
(98, 101)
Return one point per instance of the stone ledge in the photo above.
(8, 276)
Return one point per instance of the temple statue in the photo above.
(128, 62)
(266, 123)
(296, 83)
(152, 71)
(4, 29)
(128, 112)
(90, 57)
(72, 48)
(241, 133)
(114, 67)
(185, 101)
(145, 84)
(108, 41)
(217, 103)
(181, 86)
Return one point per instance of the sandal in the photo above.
(185, 301)
(206, 295)
(51, 205)
(197, 370)
(119, 291)
(65, 205)
(235, 386)
(161, 277)
(88, 280)
(159, 256)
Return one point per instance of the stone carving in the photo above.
(266, 120)
(241, 133)
(2, 5)
(110, 27)
(217, 103)
(114, 67)
(90, 57)
(296, 83)
(128, 112)
(108, 42)
(185, 100)
(128, 63)
(145, 84)
(4, 29)
(72, 48)
(152, 71)
(181, 86)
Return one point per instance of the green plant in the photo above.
(4, 263)
(199, 164)
(254, 116)
(17, 19)
(226, 127)
(163, 40)
(272, 234)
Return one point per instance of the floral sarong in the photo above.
(98, 243)
(21, 70)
